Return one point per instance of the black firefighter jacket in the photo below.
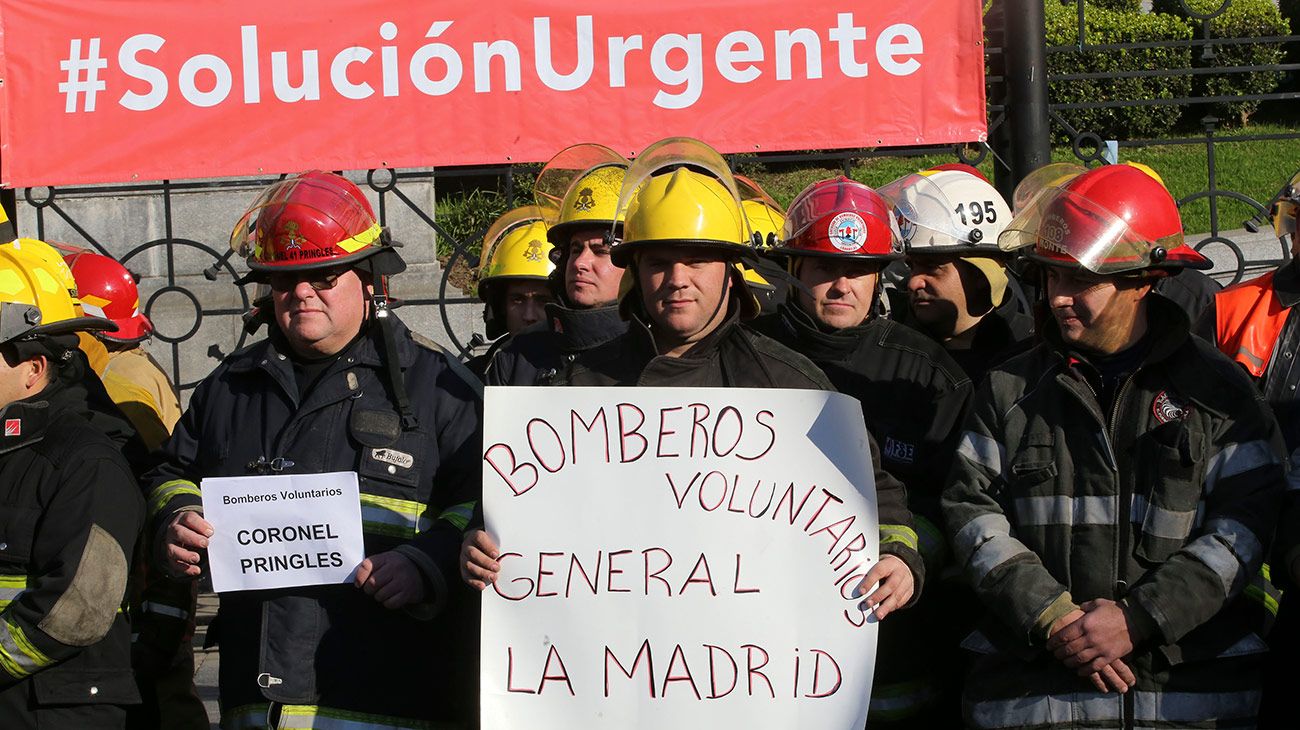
(538, 354)
(334, 649)
(70, 516)
(1165, 504)
(913, 401)
(734, 356)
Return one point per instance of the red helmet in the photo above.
(1111, 219)
(312, 220)
(842, 218)
(108, 290)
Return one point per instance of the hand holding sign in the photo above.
(187, 533)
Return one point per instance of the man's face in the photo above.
(1095, 313)
(590, 278)
(935, 291)
(684, 290)
(524, 303)
(319, 321)
(840, 290)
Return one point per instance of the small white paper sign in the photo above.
(281, 531)
(677, 558)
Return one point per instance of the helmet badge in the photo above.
(586, 200)
(534, 251)
(289, 238)
(848, 232)
(1052, 232)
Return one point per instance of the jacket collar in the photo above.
(1286, 282)
(702, 350)
(814, 340)
(583, 329)
(24, 422)
(275, 352)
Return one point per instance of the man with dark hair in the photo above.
(577, 192)
(71, 519)
(1115, 488)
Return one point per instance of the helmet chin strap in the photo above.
(380, 306)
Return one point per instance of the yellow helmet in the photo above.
(515, 247)
(765, 222)
(680, 191)
(578, 188)
(34, 296)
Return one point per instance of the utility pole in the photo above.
(1024, 141)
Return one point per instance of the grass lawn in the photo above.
(1255, 169)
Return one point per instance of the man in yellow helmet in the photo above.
(71, 518)
(514, 268)
(577, 192)
(685, 299)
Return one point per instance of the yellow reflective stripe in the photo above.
(18, 657)
(393, 517)
(245, 717)
(459, 514)
(361, 240)
(296, 717)
(930, 539)
(11, 586)
(1262, 591)
(159, 497)
(898, 533)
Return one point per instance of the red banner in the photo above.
(118, 90)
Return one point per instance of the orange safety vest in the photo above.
(1248, 320)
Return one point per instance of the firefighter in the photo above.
(71, 519)
(958, 288)
(1251, 323)
(162, 610)
(137, 383)
(577, 192)
(514, 269)
(340, 384)
(684, 236)
(1115, 486)
(838, 235)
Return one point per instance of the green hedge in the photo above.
(1104, 26)
(1241, 19)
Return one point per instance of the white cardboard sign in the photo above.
(284, 530)
(677, 558)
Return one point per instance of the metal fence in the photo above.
(457, 255)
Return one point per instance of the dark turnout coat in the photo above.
(333, 651)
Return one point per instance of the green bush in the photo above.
(1104, 26)
(1241, 19)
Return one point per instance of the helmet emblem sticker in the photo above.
(1052, 232)
(534, 252)
(906, 228)
(848, 232)
(289, 238)
(586, 200)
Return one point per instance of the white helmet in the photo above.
(948, 211)
(956, 213)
